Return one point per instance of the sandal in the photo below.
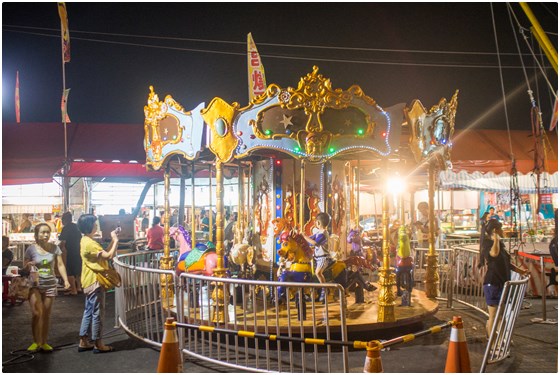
(85, 348)
(100, 351)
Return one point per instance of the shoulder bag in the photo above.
(108, 278)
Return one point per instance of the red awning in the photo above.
(92, 169)
(489, 151)
(34, 152)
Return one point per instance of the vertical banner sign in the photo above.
(65, 33)
(64, 106)
(17, 97)
(255, 70)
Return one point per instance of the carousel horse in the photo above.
(295, 248)
(405, 266)
(242, 255)
(202, 260)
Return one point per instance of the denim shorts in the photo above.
(493, 293)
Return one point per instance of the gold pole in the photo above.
(218, 295)
(432, 275)
(193, 205)
(219, 271)
(302, 195)
(358, 194)
(210, 215)
(354, 196)
(543, 40)
(240, 204)
(294, 195)
(401, 207)
(386, 298)
(166, 262)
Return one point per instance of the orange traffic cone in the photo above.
(457, 353)
(373, 358)
(170, 356)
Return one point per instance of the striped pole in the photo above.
(315, 341)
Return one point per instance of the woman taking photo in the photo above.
(42, 255)
(94, 258)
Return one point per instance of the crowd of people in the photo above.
(85, 257)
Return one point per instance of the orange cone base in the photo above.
(373, 362)
(457, 354)
(170, 358)
(170, 355)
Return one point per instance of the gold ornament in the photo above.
(219, 118)
(431, 131)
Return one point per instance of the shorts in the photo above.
(322, 263)
(48, 292)
(493, 293)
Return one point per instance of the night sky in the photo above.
(110, 74)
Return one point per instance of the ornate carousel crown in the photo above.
(431, 131)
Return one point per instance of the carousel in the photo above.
(297, 153)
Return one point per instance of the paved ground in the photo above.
(535, 345)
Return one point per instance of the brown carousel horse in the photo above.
(294, 246)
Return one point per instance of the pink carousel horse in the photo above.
(202, 260)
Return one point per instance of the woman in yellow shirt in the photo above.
(94, 258)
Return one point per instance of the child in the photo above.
(320, 240)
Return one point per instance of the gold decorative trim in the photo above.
(155, 112)
(220, 113)
(431, 131)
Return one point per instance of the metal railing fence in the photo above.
(141, 311)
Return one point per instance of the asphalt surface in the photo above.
(535, 347)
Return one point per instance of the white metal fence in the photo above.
(255, 306)
(141, 311)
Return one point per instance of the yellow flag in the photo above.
(64, 31)
(255, 70)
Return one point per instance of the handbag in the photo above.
(108, 278)
(19, 288)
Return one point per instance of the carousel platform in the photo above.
(360, 317)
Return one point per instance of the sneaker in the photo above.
(33, 348)
(46, 348)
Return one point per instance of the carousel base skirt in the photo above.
(359, 317)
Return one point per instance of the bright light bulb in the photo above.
(396, 185)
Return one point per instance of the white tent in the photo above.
(491, 182)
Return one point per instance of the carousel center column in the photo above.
(387, 279)
(166, 262)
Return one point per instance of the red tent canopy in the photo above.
(34, 152)
(489, 151)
